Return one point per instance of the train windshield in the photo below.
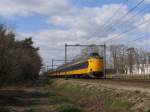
(94, 54)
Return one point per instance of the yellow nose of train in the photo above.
(95, 67)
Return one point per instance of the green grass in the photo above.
(5, 109)
(120, 105)
(29, 110)
(62, 103)
(75, 92)
(114, 103)
(108, 99)
(68, 108)
(148, 110)
(58, 99)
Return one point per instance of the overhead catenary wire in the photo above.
(133, 8)
(126, 31)
(145, 37)
(134, 15)
(113, 15)
(122, 17)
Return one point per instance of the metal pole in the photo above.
(65, 53)
(104, 60)
(52, 64)
(46, 68)
(65, 57)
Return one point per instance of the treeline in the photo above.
(126, 60)
(19, 60)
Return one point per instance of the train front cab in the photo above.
(95, 68)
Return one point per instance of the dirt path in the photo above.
(24, 99)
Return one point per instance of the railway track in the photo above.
(135, 76)
(119, 80)
(128, 80)
(145, 84)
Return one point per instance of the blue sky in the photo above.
(51, 23)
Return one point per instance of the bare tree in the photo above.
(131, 59)
(118, 53)
(137, 59)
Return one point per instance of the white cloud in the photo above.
(146, 26)
(91, 21)
(10, 8)
(85, 16)
(147, 1)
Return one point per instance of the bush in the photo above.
(19, 60)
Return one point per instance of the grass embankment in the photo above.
(70, 96)
(92, 97)
(87, 98)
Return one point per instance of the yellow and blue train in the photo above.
(90, 67)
